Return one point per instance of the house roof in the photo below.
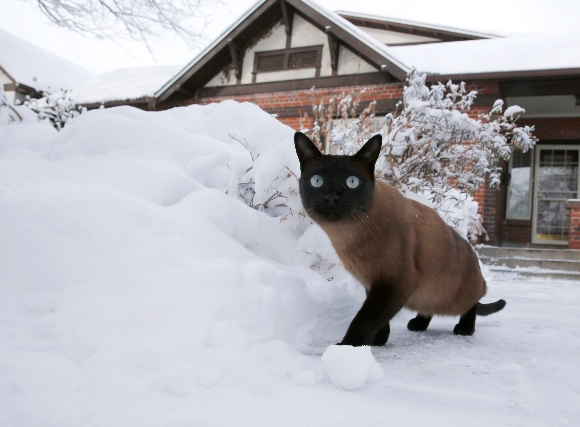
(262, 15)
(414, 27)
(518, 55)
(123, 84)
(32, 66)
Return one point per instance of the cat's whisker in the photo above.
(370, 220)
(377, 255)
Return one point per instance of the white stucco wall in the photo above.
(303, 34)
(223, 79)
(394, 38)
(351, 63)
(275, 40)
(4, 79)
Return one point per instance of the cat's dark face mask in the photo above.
(336, 188)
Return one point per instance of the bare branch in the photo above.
(139, 20)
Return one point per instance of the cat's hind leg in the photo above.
(419, 323)
(466, 325)
(382, 335)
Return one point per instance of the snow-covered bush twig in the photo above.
(57, 107)
(431, 144)
(7, 111)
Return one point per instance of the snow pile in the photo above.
(351, 367)
(129, 266)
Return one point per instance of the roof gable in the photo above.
(263, 16)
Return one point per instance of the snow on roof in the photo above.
(515, 53)
(123, 84)
(435, 27)
(35, 67)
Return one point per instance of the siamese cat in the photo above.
(401, 251)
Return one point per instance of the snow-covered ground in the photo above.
(137, 289)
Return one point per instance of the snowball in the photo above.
(351, 367)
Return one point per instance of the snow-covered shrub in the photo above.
(8, 113)
(57, 107)
(337, 124)
(431, 146)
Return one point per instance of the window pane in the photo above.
(270, 63)
(519, 191)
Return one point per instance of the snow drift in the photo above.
(127, 266)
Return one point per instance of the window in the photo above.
(288, 59)
(556, 181)
(519, 194)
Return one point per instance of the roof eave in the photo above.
(431, 27)
(505, 75)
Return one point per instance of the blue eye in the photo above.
(352, 182)
(316, 181)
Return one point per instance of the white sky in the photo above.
(22, 18)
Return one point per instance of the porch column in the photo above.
(574, 225)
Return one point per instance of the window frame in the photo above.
(286, 62)
(531, 189)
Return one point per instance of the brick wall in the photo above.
(574, 230)
(516, 232)
(555, 128)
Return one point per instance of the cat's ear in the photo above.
(369, 153)
(305, 149)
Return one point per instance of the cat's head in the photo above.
(336, 188)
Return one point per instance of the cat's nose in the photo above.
(331, 199)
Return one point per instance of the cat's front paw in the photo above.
(354, 343)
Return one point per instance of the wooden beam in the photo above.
(287, 19)
(541, 87)
(333, 44)
(237, 59)
(185, 91)
(298, 84)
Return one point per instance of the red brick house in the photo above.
(280, 49)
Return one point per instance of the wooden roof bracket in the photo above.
(287, 19)
(237, 59)
(333, 44)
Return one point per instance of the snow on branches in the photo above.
(431, 145)
(57, 107)
(8, 113)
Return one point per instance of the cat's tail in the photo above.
(487, 309)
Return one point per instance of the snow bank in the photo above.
(129, 264)
(351, 367)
